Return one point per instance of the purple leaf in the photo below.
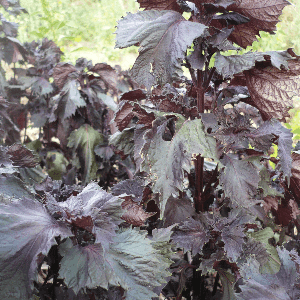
(27, 234)
(132, 262)
(94, 210)
(163, 36)
(239, 180)
(166, 161)
(192, 235)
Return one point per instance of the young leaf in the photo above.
(178, 210)
(135, 213)
(84, 140)
(163, 36)
(166, 161)
(61, 73)
(239, 180)
(27, 234)
(232, 231)
(93, 210)
(191, 236)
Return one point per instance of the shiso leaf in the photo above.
(27, 233)
(163, 37)
(132, 262)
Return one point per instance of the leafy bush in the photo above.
(148, 183)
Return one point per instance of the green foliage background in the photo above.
(84, 28)
(81, 28)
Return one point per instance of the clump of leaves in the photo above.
(201, 213)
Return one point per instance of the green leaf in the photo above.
(166, 161)
(273, 264)
(228, 281)
(163, 36)
(12, 186)
(83, 141)
(56, 164)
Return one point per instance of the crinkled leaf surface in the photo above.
(163, 37)
(272, 89)
(133, 187)
(263, 16)
(135, 213)
(84, 140)
(83, 267)
(93, 210)
(239, 180)
(166, 161)
(257, 250)
(232, 231)
(27, 231)
(131, 262)
(227, 66)
(192, 235)
(127, 110)
(282, 285)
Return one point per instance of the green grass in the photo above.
(80, 28)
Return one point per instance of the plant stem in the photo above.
(199, 163)
(216, 284)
